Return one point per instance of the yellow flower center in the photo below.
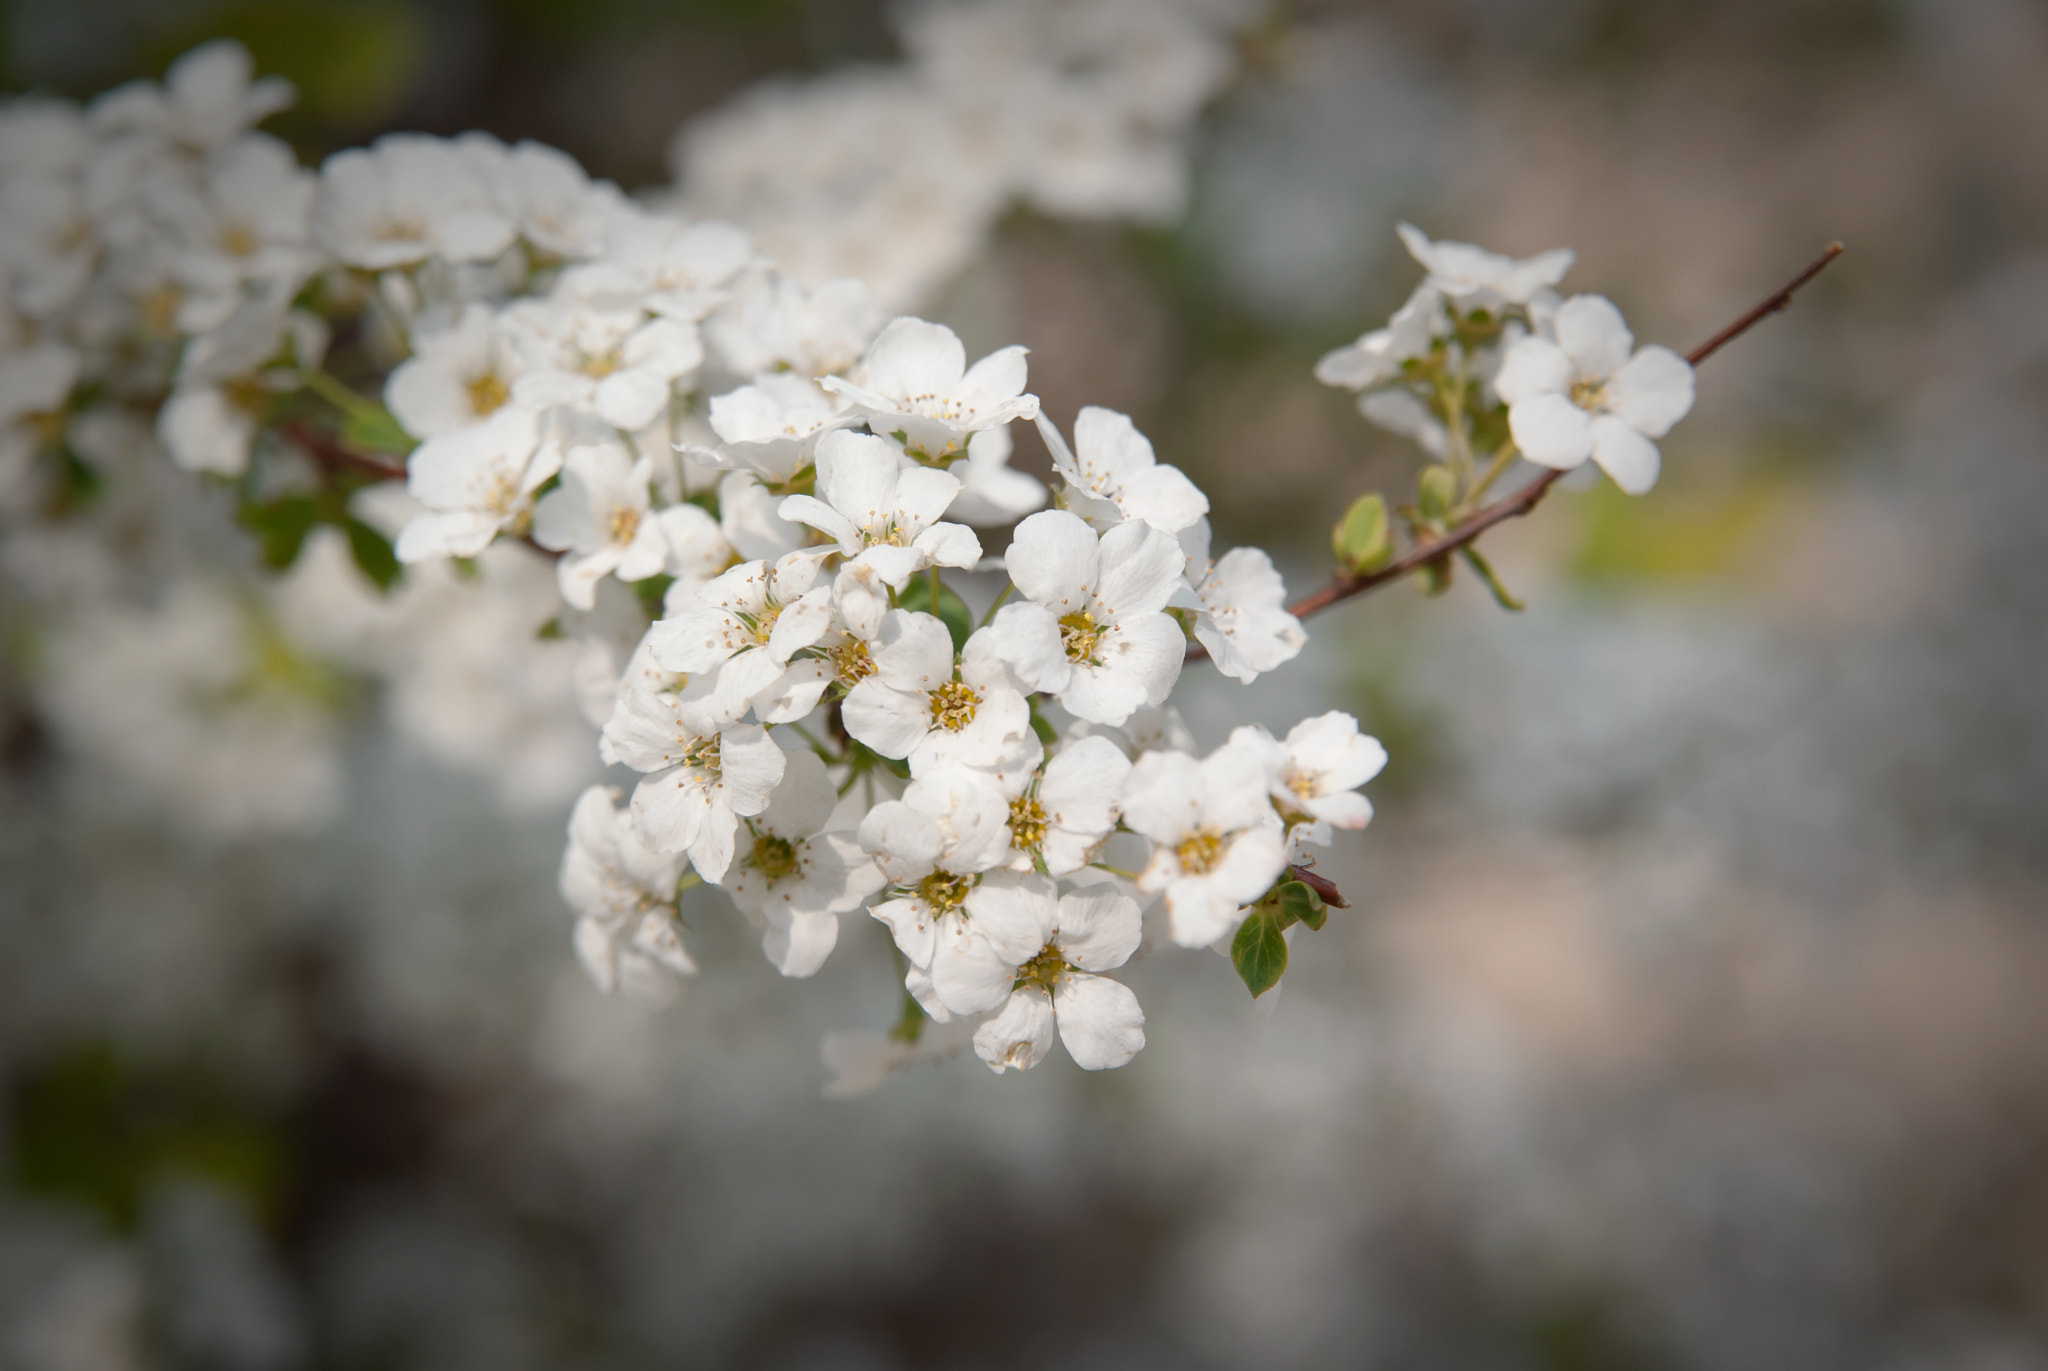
(944, 891)
(1589, 395)
(1079, 633)
(953, 706)
(1043, 969)
(237, 240)
(624, 524)
(702, 755)
(486, 393)
(399, 229)
(1027, 822)
(773, 857)
(1198, 852)
(598, 365)
(852, 662)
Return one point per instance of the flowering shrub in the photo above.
(541, 457)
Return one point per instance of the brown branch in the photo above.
(330, 451)
(1343, 587)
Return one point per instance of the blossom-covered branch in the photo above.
(1439, 549)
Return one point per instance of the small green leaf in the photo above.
(280, 527)
(1296, 903)
(372, 551)
(370, 428)
(952, 610)
(1435, 491)
(1259, 952)
(551, 631)
(1500, 593)
(1361, 539)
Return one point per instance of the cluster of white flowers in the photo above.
(1485, 333)
(659, 485)
(1079, 108)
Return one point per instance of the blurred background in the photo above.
(1690, 1009)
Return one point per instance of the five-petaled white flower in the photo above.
(599, 519)
(404, 199)
(746, 624)
(1475, 281)
(1113, 475)
(917, 705)
(1316, 772)
(1093, 630)
(610, 361)
(772, 426)
(624, 895)
(881, 513)
(457, 376)
(1062, 810)
(933, 846)
(915, 381)
(475, 482)
(1055, 948)
(1218, 843)
(706, 770)
(1240, 609)
(796, 878)
(1588, 391)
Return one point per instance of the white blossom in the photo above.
(992, 493)
(881, 513)
(624, 896)
(1240, 608)
(610, 361)
(1062, 810)
(600, 519)
(1475, 281)
(1092, 630)
(1113, 475)
(458, 375)
(706, 770)
(795, 877)
(1054, 949)
(918, 705)
(476, 481)
(405, 198)
(1217, 842)
(208, 97)
(773, 324)
(772, 427)
(1588, 391)
(915, 381)
(1316, 772)
(747, 623)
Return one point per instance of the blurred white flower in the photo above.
(624, 896)
(599, 518)
(405, 198)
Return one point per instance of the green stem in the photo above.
(1502, 460)
(1001, 596)
(343, 398)
(1115, 870)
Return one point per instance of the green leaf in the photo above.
(1361, 540)
(372, 551)
(280, 526)
(370, 428)
(1500, 593)
(1042, 726)
(1294, 902)
(1259, 952)
(1435, 491)
(952, 610)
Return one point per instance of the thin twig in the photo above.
(1343, 587)
(328, 450)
